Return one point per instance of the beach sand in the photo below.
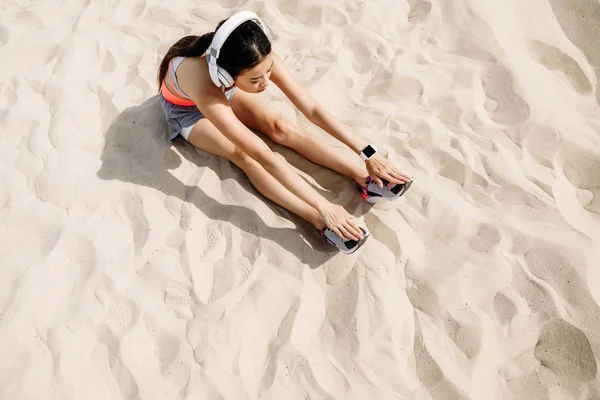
(133, 268)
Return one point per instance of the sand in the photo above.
(133, 268)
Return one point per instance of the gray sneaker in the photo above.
(390, 191)
(345, 246)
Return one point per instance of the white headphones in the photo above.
(218, 75)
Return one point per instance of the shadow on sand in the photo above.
(138, 151)
(580, 20)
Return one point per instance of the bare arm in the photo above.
(223, 118)
(315, 112)
(378, 167)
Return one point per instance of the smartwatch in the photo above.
(368, 152)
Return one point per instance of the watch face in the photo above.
(368, 151)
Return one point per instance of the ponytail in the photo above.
(189, 46)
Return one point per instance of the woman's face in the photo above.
(256, 79)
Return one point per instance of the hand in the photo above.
(379, 168)
(338, 220)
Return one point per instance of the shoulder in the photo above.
(194, 79)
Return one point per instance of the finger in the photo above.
(392, 179)
(378, 180)
(343, 232)
(354, 235)
(352, 228)
(357, 232)
(403, 175)
(400, 177)
(396, 177)
(396, 173)
(388, 177)
(340, 233)
(347, 234)
(355, 229)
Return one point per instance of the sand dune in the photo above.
(133, 268)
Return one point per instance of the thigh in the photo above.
(205, 136)
(255, 112)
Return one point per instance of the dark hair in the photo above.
(244, 48)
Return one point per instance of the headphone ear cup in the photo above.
(225, 78)
(214, 74)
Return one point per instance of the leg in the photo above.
(258, 114)
(206, 137)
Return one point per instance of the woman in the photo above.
(209, 87)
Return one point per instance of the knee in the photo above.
(243, 160)
(280, 131)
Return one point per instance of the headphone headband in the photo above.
(213, 51)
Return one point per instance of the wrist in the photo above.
(321, 204)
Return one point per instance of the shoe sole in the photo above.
(373, 199)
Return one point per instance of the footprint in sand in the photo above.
(579, 21)
(180, 299)
(502, 103)
(582, 169)
(216, 244)
(361, 56)
(555, 60)
(424, 298)
(559, 269)
(565, 350)
(365, 118)
(28, 19)
(419, 10)
(467, 338)
(486, 239)
(431, 375)
(332, 15)
(167, 348)
(541, 144)
(399, 88)
(133, 206)
(121, 316)
(451, 165)
(228, 276)
(130, 10)
(505, 308)
(122, 375)
(380, 83)
(109, 64)
(4, 35)
(120, 311)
